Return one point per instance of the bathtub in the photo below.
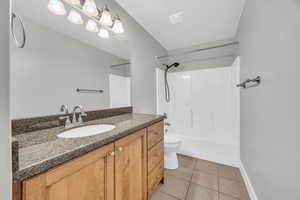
(227, 154)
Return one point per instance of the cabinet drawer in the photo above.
(155, 155)
(155, 177)
(155, 133)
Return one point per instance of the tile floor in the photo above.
(197, 179)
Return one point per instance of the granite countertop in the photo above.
(41, 150)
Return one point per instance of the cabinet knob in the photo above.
(120, 149)
(112, 153)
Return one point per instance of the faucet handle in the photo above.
(83, 114)
(64, 108)
(167, 124)
(66, 119)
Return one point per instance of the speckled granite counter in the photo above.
(42, 150)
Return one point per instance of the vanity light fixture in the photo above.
(75, 17)
(91, 26)
(103, 33)
(74, 2)
(57, 7)
(105, 18)
(102, 18)
(118, 26)
(90, 8)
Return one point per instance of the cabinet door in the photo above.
(131, 167)
(90, 177)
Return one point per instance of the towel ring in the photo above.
(18, 44)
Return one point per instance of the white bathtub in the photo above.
(209, 150)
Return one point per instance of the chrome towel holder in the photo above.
(256, 82)
(18, 44)
(88, 91)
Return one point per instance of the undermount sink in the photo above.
(85, 131)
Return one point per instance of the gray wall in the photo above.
(270, 133)
(45, 74)
(143, 49)
(5, 160)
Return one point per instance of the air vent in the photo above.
(177, 17)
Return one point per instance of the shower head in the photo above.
(176, 64)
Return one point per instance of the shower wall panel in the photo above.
(204, 112)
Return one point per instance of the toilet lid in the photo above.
(172, 139)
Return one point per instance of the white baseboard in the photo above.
(248, 183)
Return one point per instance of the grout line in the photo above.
(231, 179)
(170, 195)
(236, 198)
(205, 187)
(188, 189)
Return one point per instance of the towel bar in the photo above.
(256, 80)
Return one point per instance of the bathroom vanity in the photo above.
(124, 164)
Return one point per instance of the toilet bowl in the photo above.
(172, 145)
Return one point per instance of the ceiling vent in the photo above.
(177, 17)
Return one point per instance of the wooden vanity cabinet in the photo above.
(128, 169)
(131, 167)
(155, 137)
(90, 177)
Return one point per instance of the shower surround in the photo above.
(204, 112)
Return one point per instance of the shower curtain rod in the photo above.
(118, 65)
(209, 58)
(186, 53)
(199, 50)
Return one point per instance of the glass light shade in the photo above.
(90, 8)
(106, 19)
(74, 2)
(103, 33)
(57, 7)
(91, 26)
(118, 26)
(75, 17)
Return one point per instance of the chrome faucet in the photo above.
(81, 114)
(65, 110)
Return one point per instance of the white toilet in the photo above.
(172, 145)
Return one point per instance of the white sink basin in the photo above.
(85, 131)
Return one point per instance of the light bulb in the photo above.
(90, 8)
(57, 7)
(105, 18)
(91, 26)
(118, 26)
(75, 17)
(74, 2)
(103, 33)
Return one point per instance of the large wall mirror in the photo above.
(61, 56)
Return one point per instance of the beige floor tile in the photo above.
(230, 172)
(183, 173)
(230, 187)
(161, 196)
(205, 179)
(206, 166)
(186, 161)
(226, 197)
(197, 192)
(175, 187)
